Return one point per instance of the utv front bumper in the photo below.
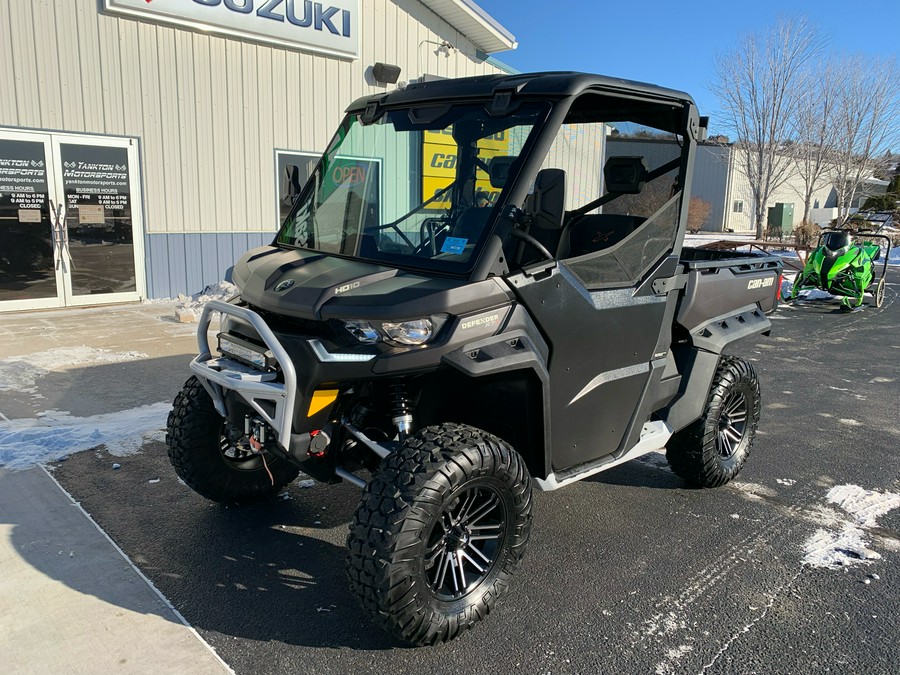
(273, 401)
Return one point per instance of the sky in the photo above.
(674, 44)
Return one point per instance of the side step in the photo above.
(654, 436)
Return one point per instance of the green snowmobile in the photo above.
(843, 264)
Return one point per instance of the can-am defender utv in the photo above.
(445, 355)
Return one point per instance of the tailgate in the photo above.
(717, 287)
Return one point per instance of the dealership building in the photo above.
(146, 144)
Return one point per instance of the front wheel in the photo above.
(439, 533)
(711, 451)
(213, 458)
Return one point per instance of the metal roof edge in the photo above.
(489, 34)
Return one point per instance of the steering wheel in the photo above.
(528, 239)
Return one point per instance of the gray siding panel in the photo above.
(187, 263)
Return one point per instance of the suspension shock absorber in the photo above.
(400, 414)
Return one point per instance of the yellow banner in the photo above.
(439, 161)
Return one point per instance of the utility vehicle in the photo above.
(843, 264)
(447, 356)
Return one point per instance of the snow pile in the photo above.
(56, 434)
(20, 373)
(189, 309)
(894, 258)
(847, 545)
(866, 506)
(787, 286)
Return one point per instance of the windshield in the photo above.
(416, 188)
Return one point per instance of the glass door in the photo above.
(101, 219)
(31, 255)
(70, 221)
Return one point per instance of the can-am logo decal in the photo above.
(760, 283)
(330, 26)
(284, 285)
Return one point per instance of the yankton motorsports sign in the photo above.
(330, 27)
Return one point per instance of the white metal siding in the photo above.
(790, 192)
(209, 111)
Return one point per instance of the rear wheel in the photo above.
(439, 532)
(213, 458)
(711, 451)
(879, 293)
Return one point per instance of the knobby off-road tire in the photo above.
(200, 453)
(711, 451)
(449, 495)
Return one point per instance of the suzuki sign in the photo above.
(329, 27)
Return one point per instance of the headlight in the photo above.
(363, 331)
(416, 332)
(246, 352)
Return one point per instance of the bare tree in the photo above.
(867, 116)
(814, 130)
(757, 83)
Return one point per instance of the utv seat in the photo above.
(595, 232)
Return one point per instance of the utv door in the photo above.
(607, 316)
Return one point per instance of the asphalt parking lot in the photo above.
(628, 571)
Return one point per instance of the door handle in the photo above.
(60, 235)
(64, 231)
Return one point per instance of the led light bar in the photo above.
(246, 352)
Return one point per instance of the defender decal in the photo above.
(486, 321)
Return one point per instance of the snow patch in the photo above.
(837, 549)
(56, 434)
(846, 543)
(785, 481)
(850, 422)
(753, 490)
(674, 654)
(21, 373)
(866, 506)
(189, 309)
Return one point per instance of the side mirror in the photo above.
(498, 170)
(625, 175)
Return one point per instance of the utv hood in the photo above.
(311, 285)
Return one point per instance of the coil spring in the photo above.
(399, 401)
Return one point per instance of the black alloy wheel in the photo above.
(732, 424)
(464, 543)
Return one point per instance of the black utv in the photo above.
(480, 289)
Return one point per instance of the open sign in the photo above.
(349, 174)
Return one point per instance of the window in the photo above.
(395, 191)
(622, 190)
(738, 206)
(292, 170)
